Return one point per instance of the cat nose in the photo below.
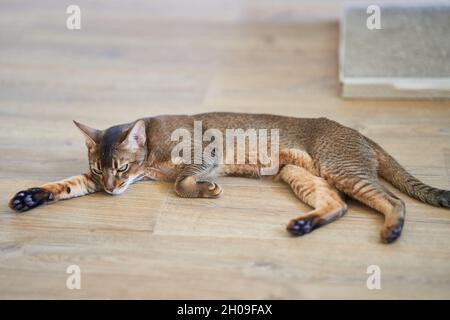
(109, 189)
(108, 182)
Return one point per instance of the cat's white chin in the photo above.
(116, 191)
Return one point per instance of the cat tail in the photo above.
(392, 171)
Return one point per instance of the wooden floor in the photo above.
(153, 57)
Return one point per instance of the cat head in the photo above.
(116, 155)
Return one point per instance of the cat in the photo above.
(320, 159)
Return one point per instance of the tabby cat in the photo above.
(320, 159)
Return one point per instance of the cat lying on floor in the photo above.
(320, 159)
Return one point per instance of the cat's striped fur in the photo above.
(319, 158)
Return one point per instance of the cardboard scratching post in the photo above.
(409, 57)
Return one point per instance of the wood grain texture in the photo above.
(151, 57)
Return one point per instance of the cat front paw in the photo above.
(29, 199)
(209, 189)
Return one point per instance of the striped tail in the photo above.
(392, 171)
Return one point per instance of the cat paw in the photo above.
(301, 226)
(29, 199)
(444, 200)
(209, 189)
(391, 233)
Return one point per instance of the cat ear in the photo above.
(92, 136)
(135, 138)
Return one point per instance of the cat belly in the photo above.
(239, 170)
(299, 158)
(296, 157)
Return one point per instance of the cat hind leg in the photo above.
(315, 191)
(368, 190)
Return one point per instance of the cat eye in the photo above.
(123, 168)
(96, 171)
